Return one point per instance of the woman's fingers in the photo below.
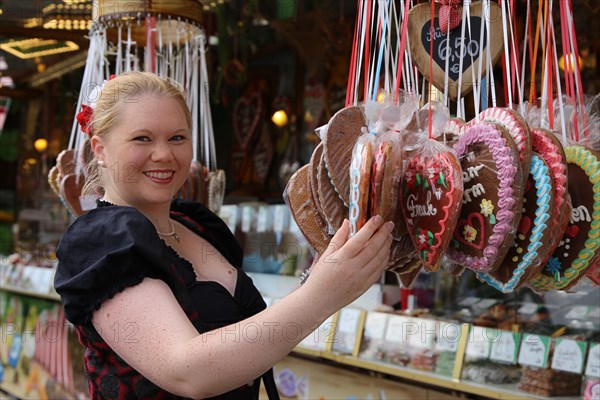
(339, 239)
(374, 246)
(357, 242)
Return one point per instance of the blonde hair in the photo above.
(126, 88)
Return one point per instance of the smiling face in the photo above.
(147, 154)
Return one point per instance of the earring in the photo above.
(101, 163)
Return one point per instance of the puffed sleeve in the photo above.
(103, 252)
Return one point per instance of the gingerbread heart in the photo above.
(313, 174)
(343, 130)
(297, 196)
(66, 162)
(549, 148)
(334, 209)
(360, 181)
(387, 167)
(580, 246)
(431, 202)
(247, 113)
(411, 271)
(464, 52)
(533, 239)
(52, 180)
(514, 124)
(492, 198)
(70, 191)
(401, 250)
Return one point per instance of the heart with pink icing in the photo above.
(431, 201)
(493, 192)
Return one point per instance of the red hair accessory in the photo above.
(84, 117)
(450, 14)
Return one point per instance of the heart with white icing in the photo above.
(431, 201)
(492, 197)
(533, 238)
(580, 245)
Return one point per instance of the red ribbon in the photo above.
(449, 14)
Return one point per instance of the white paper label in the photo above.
(480, 342)
(247, 215)
(593, 363)
(375, 325)
(396, 328)
(424, 336)
(534, 351)
(469, 301)
(504, 349)
(577, 312)
(448, 337)
(320, 337)
(279, 218)
(348, 320)
(569, 355)
(228, 213)
(528, 308)
(262, 218)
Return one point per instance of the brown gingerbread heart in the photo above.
(492, 197)
(247, 113)
(70, 190)
(533, 239)
(66, 162)
(334, 209)
(343, 130)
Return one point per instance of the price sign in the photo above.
(396, 328)
(534, 351)
(448, 337)
(505, 348)
(262, 219)
(480, 342)
(375, 325)
(569, 355)
(593, 363)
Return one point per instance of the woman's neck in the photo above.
(157, 213)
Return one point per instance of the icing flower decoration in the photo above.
(442, 180)
(487, 208)
(470, 233)
(554, 267)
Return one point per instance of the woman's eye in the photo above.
(178, 138)
(141, 138)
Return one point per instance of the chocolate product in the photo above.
(360, 180)
(431, 201)
(514, 123)
(297, 196)
(533, 239)
(493, 181)
(343, 130)
(579, 247)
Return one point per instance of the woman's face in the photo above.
(147, 156)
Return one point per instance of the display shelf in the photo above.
(25, 292)
(507, 391)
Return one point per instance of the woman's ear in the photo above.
(97, 147)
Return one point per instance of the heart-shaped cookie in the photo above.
(453, 47)
(52, 180)
(333, 207)
(431, 202)
(297, 196)
(360, 182)
(313, 175)
(533, 239)
(385, 177)
(580, 245)
(411, 270)
(549, 148)
(66, 162)
(70, 191)
(216, 190)
(492, 197)
(514, 124)
(343, 130)
(247, 113)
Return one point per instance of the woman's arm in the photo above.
(146, 326)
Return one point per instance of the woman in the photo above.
(154, 286)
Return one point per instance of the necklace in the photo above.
(171, 234)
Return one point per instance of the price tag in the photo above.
(396, 328)
(280, 218)
(534, 351)
(528, 308)
(577, 312)
(424, 335)
(375, 325)
(348, 320)
(593, 363)
(228, 213)
(448, 337)
(480, 342)
(320, 336)
(569, 355)
(505, 348)
(262, 219)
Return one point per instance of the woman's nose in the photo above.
(162, 152)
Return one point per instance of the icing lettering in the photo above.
(420, 210)
(476, 191)
(471, 172)
(579, 214)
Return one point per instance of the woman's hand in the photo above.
(350, 266)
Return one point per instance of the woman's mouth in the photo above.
(160, 176)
